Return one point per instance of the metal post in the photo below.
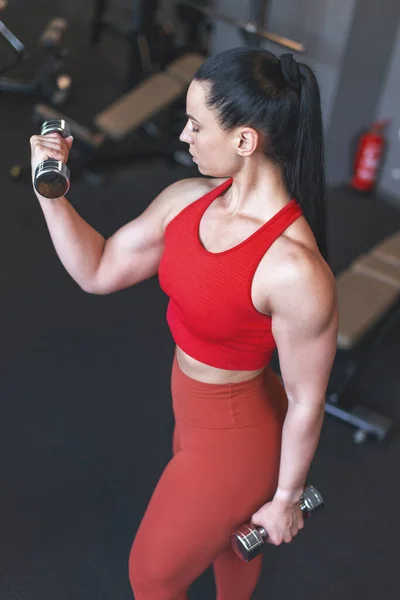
(258, 12)
(97, 23)
(257, 18)
(139, 61)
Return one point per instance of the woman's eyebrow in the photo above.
(192, 118)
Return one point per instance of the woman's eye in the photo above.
(194, 130)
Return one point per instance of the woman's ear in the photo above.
(248, 140)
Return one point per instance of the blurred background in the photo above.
(86, 419)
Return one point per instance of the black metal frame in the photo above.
(348, 364)
(44, 81)
(17, 46)
(258, 16)
(142, 19)
(140, 23)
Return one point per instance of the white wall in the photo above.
(390, 108)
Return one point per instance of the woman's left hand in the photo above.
(281, 520)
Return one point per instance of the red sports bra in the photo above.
(210, 313)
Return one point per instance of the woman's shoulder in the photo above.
(296, 271)
(184, 192)
(295, 255)
(293, 265)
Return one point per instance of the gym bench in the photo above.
(369, 308)
(100, 149)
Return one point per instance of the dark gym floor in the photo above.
(86, 420)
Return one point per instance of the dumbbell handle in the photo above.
(248, 540)
(310, 501)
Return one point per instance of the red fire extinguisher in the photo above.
(368, 158)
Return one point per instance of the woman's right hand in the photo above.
(51, 146)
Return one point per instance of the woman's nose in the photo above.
(186, 135)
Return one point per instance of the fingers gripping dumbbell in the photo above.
(52, 177)
(248, 541)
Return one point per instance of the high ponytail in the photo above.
(281, 99)
(305, 174)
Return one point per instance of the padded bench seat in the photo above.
(373, 266)
(148, 98)
(136, 107)
(184, 68)
(389, 250)
(367, 290)
(362, 300)
(368, 293)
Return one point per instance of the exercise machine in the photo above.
(132, 128)
(48, 80)
(156, 83)
(150, 41)
(253, 31)
(127, 130)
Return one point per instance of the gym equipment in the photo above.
(52, 177)
(16, 46)
(48, 80)
(126, 131)
(150, 42)
(196, 24)
(248, 541)
(369, 309)
(253, 30)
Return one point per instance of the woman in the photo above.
(241, 253)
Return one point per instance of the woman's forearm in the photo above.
(77, 244)
(300, 436)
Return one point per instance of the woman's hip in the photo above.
(228, 406)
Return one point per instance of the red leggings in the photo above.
(226, 452)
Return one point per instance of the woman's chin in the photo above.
(208, 172)
(203, 170)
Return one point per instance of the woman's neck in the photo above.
(258, 188)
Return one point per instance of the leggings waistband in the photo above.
(226, 405)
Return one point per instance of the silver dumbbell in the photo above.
(248, 541)
(52, 177)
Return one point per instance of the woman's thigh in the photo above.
(203, 495)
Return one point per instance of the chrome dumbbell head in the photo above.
(56, 126)
(52, 179)
(248, 541)
(311, 501)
